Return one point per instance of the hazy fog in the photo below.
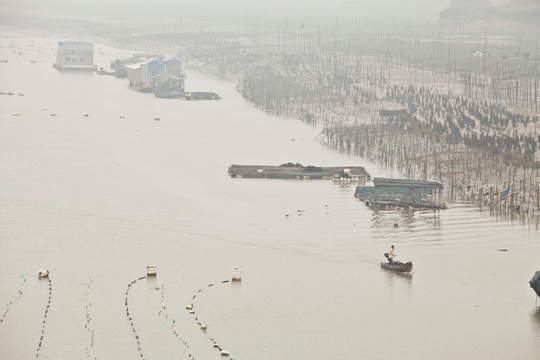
(375, 11)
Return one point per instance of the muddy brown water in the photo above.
(94, 189)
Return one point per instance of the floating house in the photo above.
(119, 65)
(75, 55)
(153, 73)
(141, 75)
(402, 193)
(174, 66)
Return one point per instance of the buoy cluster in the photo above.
(89, 319)
(46, 311)
(163, 312)
(14, 300)
(204, 326)
(44, 275)
(129, 316)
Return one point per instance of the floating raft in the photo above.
(402, 193)
(200, 95)
(298, 172)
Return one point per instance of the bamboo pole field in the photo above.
(466, 97)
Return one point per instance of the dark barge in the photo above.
(535, 283)
(297, 171)
(402, 193)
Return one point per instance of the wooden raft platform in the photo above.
(357, 173)
(405, 193)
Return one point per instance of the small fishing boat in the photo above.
(397, 266)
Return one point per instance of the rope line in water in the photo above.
(87, 326)
(45, 318)
(204, 326)
(14, 300)
(163, 311)
(129, 317)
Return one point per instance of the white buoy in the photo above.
(43, 273)
(189, 307)
(151, 270)
(236, 274)
(203, 327)
(224, 353)
(122, 116)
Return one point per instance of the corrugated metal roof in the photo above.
(383, 182)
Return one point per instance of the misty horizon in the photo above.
(384, 12)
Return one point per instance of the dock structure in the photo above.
(299, 172)
(402, 193)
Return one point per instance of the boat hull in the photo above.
(535, 283)
(398, 266)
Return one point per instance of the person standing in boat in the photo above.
(391, 255)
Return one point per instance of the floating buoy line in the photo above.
(87, 326)
(204, 326)
(14, 300)
(163, 312)
(129, 316)
(46, 312)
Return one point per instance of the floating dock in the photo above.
(299, 172)
(402, 193)
(200, 95)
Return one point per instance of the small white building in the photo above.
(141, 75)
(75, 55)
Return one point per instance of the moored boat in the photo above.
(169, 94)
(535, 283)
(398, 266)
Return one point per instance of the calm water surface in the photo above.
(101, 189)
